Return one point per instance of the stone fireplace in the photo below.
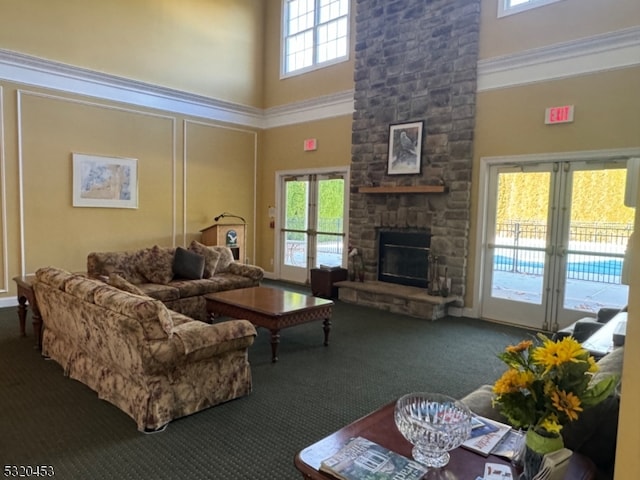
(415, 61)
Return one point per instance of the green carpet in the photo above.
(373, 358)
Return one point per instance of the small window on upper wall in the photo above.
(315, 34)
(509, 7)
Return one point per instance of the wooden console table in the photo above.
(26, 295)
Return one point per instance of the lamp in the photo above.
(227, 214)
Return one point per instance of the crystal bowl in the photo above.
(434, 424)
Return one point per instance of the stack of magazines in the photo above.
(492, 437)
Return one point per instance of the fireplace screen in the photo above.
(404, 258)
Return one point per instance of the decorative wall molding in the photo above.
(3, 212)
(21, 189)
(327, 106)
(609, 51)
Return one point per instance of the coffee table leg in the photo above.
(326, 326)
(275, 341)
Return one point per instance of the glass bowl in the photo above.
(434, 424)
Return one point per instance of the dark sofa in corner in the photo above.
(593, 434)
(178, 277)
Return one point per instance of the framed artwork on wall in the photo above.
(405, 148)
(109, 182)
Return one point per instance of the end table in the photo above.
(322, 280)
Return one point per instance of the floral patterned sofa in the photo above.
(178, 277)
(154, 364)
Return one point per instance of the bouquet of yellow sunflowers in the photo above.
(548, 384)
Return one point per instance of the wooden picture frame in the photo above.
(405, 148)
(107, 182)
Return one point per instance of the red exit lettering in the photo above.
(562, 114)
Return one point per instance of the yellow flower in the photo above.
(552, 354)
(551, 424)
(522, 346)
(567, 403)
(512, 380)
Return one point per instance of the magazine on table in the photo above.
(509, 445)
(361, 458)
(481, 426)
(484, 444)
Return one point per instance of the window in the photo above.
(315, 33)
(509, 7)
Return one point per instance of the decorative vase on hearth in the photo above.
(535, 447)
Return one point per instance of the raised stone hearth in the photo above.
(412, 301)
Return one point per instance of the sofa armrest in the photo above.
(251, 271)
(480, 402)
(201, 340)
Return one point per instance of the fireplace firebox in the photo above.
(403, 257)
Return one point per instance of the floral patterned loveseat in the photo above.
(169, 274)
(154, 364)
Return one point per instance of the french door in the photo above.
(312, 223)
(554, 242)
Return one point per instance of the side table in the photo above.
(26, 295)
(322, 281)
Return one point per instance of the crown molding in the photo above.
(327, 106)
(609, 51)
(35, 71)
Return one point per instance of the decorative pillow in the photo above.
(188, 264)
(210, 255)
(226, 259)
(123, 284)
(156, 265)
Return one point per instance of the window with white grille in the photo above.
(315, 34)
(509, 7)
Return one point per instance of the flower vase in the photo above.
(536, 446)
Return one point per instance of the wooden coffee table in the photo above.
(271, 308)
(380, 427)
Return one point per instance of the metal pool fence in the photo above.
(595, 251)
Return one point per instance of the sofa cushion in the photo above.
(82, 287)
(56, 277)
(210, 255)
(164, 293)
(120, 282)
(156, 264)
(152, 314)
(188, 264)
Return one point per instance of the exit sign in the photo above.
(555, 115)
(310, 144)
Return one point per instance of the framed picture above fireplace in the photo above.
(405, 148)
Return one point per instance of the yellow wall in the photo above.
(283, 152)
(627, 458)
(207, 47)
(180, 189)
(325, 81)
(555, 23)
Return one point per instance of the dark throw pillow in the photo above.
(188, 264)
